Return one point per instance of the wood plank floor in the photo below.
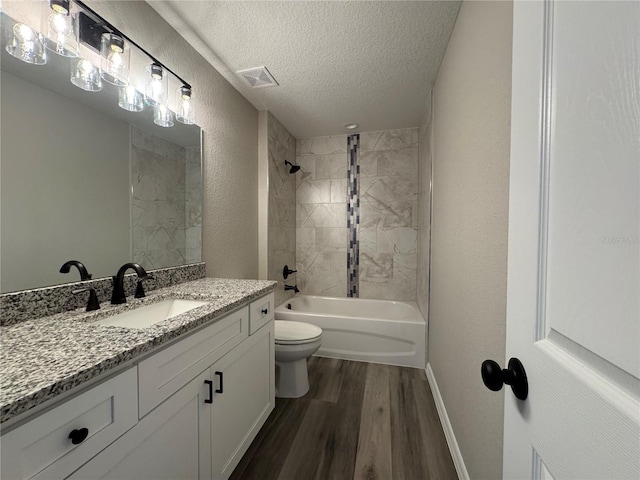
(358, 421)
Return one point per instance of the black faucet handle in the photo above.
(93, 303)
(139, 288)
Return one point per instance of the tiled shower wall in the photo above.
(388, 215)
(165, 210)
(282, 207)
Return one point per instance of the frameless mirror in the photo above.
(83, 179)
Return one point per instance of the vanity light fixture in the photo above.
(85, 75)
(156, 83)
(27, 45)
(130, 99)
(60, 27)
(185, 113)
(351, 126)
(65, 25)
(162, 116)
(114, 59)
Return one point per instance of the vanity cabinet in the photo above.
(187, 411)
(60, 440)
(172, 442)
(243, 398)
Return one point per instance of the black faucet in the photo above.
(118, 295)
(84, 275)
(291, 287)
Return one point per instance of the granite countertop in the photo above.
(42, 358)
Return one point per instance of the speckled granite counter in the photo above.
(42, 358)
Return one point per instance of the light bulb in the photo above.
(114, 61)
(162, 116)
(85, 75)
(130, 99)
(26, 45)
(156, 83)
(185, 113)
(59, 27)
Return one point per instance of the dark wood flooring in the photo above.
(358, 421)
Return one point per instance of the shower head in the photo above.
(294, 168)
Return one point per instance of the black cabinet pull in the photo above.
(265, 311)
(78, 436)
(210, 399)
(220, 375)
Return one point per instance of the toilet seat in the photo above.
(295, 333)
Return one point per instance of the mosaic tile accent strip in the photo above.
(353, 215)
(26, 305)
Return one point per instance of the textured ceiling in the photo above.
(368, 62)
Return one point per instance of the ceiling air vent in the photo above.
(258, 77)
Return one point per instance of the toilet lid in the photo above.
(295, 332)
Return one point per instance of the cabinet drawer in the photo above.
(261, 311)
(42, 448)
(165, 372)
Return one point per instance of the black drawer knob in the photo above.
(78, 436)
(265, 311)
(495, 377)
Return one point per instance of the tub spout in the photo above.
(291, 287)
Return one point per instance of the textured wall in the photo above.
(282, 207)
(424, 212)
(230, 129)
(471, 115)
(388, 214)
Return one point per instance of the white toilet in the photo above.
(295, 342)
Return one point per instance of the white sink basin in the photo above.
(144, 317)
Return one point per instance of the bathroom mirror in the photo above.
(83, 179)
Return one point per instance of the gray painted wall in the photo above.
(230, 137)
(88, 180)
(471, 125)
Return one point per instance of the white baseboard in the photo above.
(458, 461)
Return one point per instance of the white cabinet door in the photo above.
(171, 442)
(243, 382)
(573, 314)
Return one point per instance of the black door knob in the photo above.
(78, 436)
(495, 377)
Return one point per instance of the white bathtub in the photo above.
(378, 331)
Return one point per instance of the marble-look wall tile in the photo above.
(388, 214)
(375, 213)
(389, 139)
(322, 273)
(339, 190)
(281, 237)
(321, 215)
(376, 266)
(331, 239)
(331, 166)
(396, 240)
(314, 191)
(388, 233)
(321, 145)
(159, 208)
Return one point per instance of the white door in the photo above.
(573, 315)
